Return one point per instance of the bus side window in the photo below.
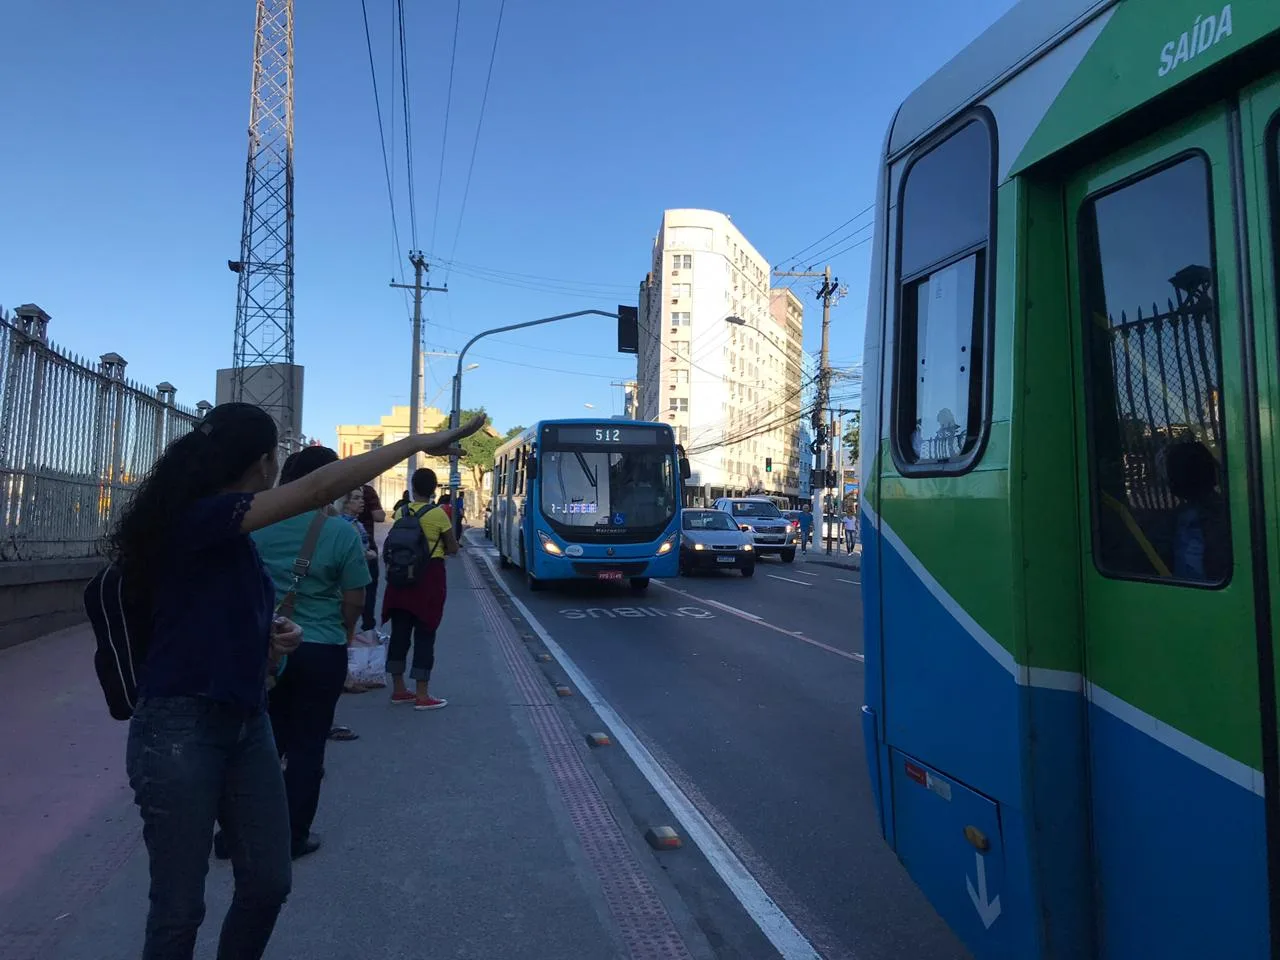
(1153, 371)
(944, 302)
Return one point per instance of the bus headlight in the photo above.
(667, 544)
(549, 545)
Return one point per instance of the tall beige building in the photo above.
(717, 359)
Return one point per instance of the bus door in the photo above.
(1174, 315)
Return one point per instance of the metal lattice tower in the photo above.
(262, 362)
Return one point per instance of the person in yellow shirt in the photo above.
(415, 609)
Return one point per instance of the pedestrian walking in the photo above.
(200, 747)
(417, 587)
(850, 531)
(806, 527)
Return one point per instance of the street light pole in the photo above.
(455, 413)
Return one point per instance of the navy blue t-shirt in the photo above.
(212, 609)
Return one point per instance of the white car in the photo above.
(770, 531)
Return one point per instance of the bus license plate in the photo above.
(609, 575)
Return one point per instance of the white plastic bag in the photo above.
(367, 660)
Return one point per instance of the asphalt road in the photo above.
(748, 693)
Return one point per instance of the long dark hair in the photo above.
(213, 456)
(305, 461)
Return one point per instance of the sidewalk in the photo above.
(477, 831)
(837, 558)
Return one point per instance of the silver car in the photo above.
(711, 539)
(760, 517)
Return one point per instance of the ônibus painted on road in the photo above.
(590, 499)
(1071, 451)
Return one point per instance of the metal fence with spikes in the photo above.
(75, 438)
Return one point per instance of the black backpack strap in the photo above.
(302, 564)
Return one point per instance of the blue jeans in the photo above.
(191, 762)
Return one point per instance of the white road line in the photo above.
(806, 573)
(803, 583)
(768, 916)
(843, 580)
(794, 634)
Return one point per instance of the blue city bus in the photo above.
(589, 499)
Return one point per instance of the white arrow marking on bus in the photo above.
(988, 910)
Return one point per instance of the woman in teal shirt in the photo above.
(328, 607)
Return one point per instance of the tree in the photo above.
(481, 446)
(853, 437)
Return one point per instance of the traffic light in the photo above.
(628, 329)
(768, 464)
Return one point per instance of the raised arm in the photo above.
(323, 486)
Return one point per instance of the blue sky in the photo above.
(122, 177)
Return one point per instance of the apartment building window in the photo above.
(682, 435)
(682, 261)
(682, 375)
(678, 404)
(679, 290)
(680, 318)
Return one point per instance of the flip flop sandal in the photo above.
(343, 733)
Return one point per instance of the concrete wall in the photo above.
(41, 596)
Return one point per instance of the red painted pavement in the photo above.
(61, 754)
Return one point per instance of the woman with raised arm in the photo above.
(200, 747)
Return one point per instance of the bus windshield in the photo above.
(607, 491)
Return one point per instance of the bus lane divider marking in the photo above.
(776, 926)
(744, 615)
(774, 576)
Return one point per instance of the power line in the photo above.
(802, 250)
(448, 104)
(462, 265)
(382, 136)
(822, 254)
(475, 145)
(408, 124)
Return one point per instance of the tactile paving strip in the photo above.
(647, 928)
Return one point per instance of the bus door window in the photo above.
(1154, 379)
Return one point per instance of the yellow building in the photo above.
(355, 439)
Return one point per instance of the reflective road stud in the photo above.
(563, 690)
(544, 658)
(599, 740)
(663, 838)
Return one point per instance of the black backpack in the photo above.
(406, 550)
(120, 631)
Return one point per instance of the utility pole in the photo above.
(420, 269)
(829, 293)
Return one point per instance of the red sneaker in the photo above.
(406, 696)
(429, 703)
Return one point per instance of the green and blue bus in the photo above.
(590, 499)
(1071, 461)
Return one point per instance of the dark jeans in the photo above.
(404, 627)
(302, 706)
(369, 620)
(191, 762)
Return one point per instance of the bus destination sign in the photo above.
(611, 435)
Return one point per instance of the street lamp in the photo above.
(469, 368)
(455, 414)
